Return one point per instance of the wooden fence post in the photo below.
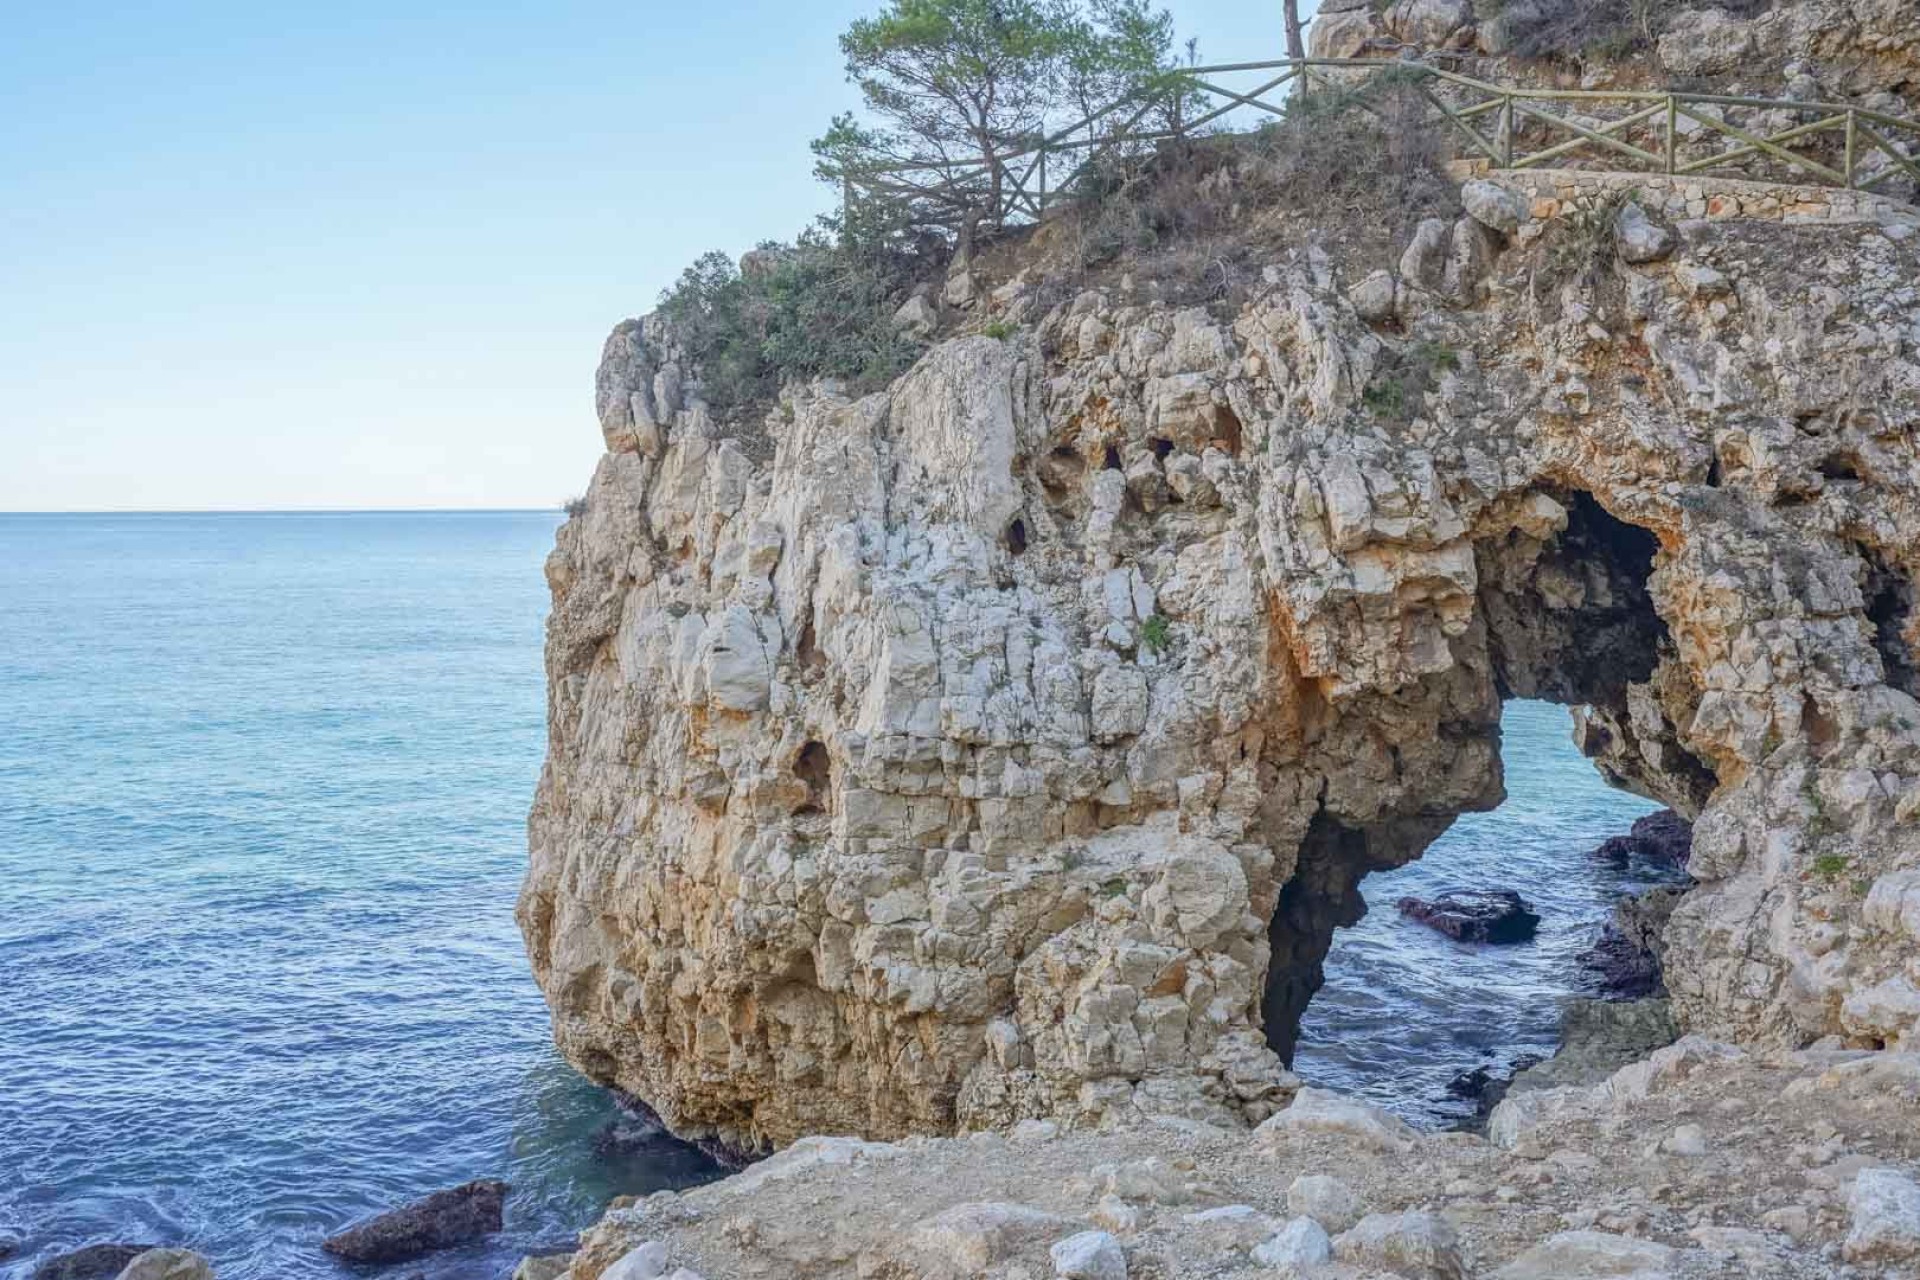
(1850, 148)
(1673, 131)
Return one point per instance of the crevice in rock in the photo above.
(815, 770)
(1017, 536)
(1227, 431)
(1890, 599)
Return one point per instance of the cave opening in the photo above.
(1374, 1002)
(1889, 596)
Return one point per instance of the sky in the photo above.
(363, 255)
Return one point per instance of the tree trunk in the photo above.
(1296, 47)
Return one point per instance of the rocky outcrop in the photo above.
(442, 1220)
(91, 1262)
(1498, 916)
(1663, 837)
(1808, 50)
(1008, 745)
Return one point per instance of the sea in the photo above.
(263, 790)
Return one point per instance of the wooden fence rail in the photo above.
(1031, 174)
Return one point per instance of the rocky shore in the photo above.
(1701, 1161)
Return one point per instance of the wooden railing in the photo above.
(1508, 127)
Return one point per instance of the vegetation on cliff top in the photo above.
(1356, 166)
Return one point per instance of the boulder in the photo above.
(648, 1261)
(1424, 263)
(439, 1221)
(1325, 1199)
(550, 1266)
(1301, 1243)
(1573, 1255)
(168, 1264)
(1374, 298)
(1639, 238)
(969, 1238)
(1318, 1111)
(1885, 1206)
(1414, 1244)
(1705, 42)
(1496, 206)
(918, 317)
(1497, 916)
(1090, 1255)
(91, 1261)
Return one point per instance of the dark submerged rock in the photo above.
(1485, 1087)
(91, 1261)
(1659, 837)
(1498, 916)
(1629, 960)
(439, 1221)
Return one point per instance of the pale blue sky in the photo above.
(364, 254)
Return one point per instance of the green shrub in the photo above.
(1000, 330)
(1831, 866)
(1156, 633)
(575, 507)
(815, 309)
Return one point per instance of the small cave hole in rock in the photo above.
(1890, 599)
(815, 770)
(1842, 466)
(1111, 459)
(1227, 432)
(1061, 474)
(1017, 536)
(1161, 448)
(807, 648)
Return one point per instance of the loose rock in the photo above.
(439, 1221)
(1091, 1255)
(168, 1264)
(1573, 1255)
(91, 1262)
(1885, 1206)
(1302, 1243)
(1318, 1111)
(1325, 1199)
(1639, 238)
(1422, 1246)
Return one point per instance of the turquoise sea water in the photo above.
(263, 790)
(263, 785)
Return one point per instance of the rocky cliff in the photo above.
(1008, 745)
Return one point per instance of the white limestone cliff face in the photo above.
(1008, 744)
